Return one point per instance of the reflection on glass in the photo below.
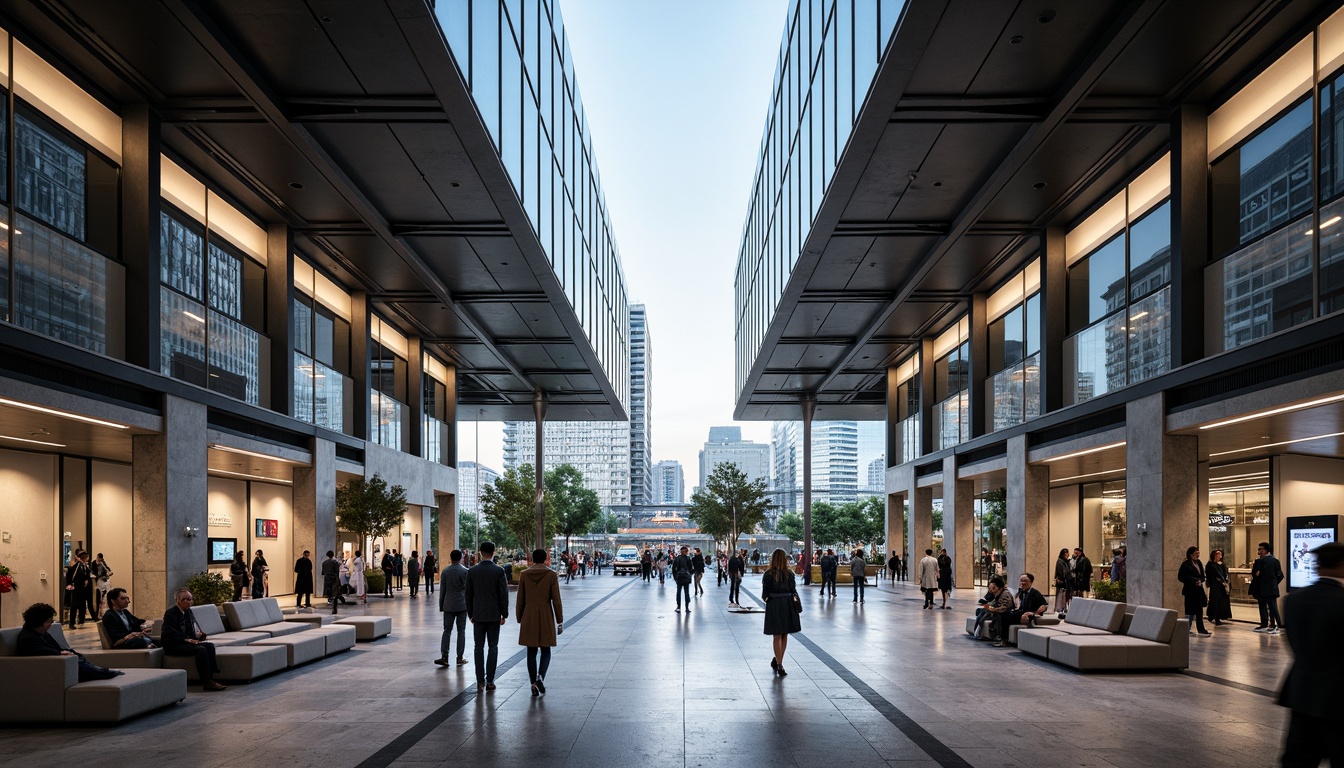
(1240, 517)
(1276, 173)
(181, 337)
(1104, 524)
(1267, 286)
(234, 359)
(1150, 252)
(1095, 360)
(1097, 284)
(64, 290)
(50, 176)
(387, 420)
(952, 421)
(1332, 257)
(1150, 336)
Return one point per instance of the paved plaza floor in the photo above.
(636, 685)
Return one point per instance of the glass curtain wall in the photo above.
(951, 390)
(829, 55)
(515, 58)
(434, 436)
(212, 303)
(388, 412)
(60, 224)
(1014, 389)
(908, 414)
(1119, 301)
(323, 389)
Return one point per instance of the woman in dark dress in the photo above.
(1191, 576)
(259, 569)
(303, 581)
(238, 574)
(944, 574)
(781, 619)
(1220, 598)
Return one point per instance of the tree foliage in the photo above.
(851, 523)
(607, 522)
(369, 508)
(573, 506)
(729, 504)
(509, 505)
(790, 524)
(994, 513)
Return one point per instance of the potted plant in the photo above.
(210, 588)
(375, 579)
(7, 583)
(1109, 590)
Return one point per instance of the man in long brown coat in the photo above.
(540, 616)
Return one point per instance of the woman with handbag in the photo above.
(1063, 574)
(782, 607)
(1220, 597)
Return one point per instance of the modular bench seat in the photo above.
(1099, 634)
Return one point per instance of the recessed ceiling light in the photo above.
(32, 442)
(1086, 451)
(1038, 186)
(503, 263)
(1015, 40)
(1047, 16)
(454, 184)
(1275, 411)
(295, 185)
(1283, 442)
(62, 414)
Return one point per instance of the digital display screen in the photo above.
(1305, 535)
(222, 550)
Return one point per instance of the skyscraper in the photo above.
(470, 477)
(835, 462)
(598, 449)
(641, 427)
(669, 483)
(725, 445)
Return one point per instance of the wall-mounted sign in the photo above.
(1220, 518)
(267, 529)
(1260, 520)
(219, 519)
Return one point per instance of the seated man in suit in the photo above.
(1031, 604)
(124, 630)
(182, 637)
(35, 640)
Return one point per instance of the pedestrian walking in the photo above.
(737, 569)
(359, 584)
(856, 572)
(944, 575)
(389, 568)
(398, 566)
(331, 579)
(413, 573)
(646, 565)
(79, 589)
(1311, 689)
(894, 567)
(660, 565)
(830, 569)
(540, 615)
(928, 577)
(102, 577)
(303, 580)
(430, 569)
(1063, 581)
(682, 573)
(453, 604)
(782, 607)
(487, 610)
(698, 565)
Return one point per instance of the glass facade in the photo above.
(1240, 517)
(323, 389)
(435, 440)
(828, 58)
(1119, 308)
(1014, 389)
(388, 412)
(951, 389)
(514, 55)
(210, 296)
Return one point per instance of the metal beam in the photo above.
(305, 109)
(1028, 109)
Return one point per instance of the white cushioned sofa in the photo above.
(262, 615)
(47, 688)
(1099, 634)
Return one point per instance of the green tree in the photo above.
(790, 524)
(994, 515)
(509, 506)
(369, 508)
(825, 524)
(606, 522)
(574, 506)
(729, 504)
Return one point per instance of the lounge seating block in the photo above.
(311, 619)
(1037, 641)
(140, 658)
(369, 628)
(134, 692)
(338, 637)
(299, 649)
(236, 662)
(207, 618)
(262, 615)
(1089, 652)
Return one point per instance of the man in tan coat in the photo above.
(928, 577)
(540, 616)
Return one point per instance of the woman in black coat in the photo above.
(944, 574)
(238, 574)
(303, 580)
(1220, 594)
(259, 569)
(1191, 576)
(780, 590)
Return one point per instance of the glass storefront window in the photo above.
(1104, 524)
(65, 290)
(1239, 518)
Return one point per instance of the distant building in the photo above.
(669, 483)
(598, 449)
(877, 478)
(725, 445)
(470, 477)
(835, 462)
(641, 422)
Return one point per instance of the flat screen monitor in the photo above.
(1304, 535)
(222, 550)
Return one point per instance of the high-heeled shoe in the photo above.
(774, 665)
(781, 672)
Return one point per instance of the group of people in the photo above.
(935, 575)
(1001, 609)
(830, 568)
(1216, 602)
(86, 585)
(180, 636)
(1073, 575)
(396, 567)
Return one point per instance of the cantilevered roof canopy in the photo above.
(350, 122)
(986, 123)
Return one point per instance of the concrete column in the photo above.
(140, 209)
(315, 501)
(959, 523)
(896, 525)
(539, 414)
(168, 495)
(1028, 517)
(1054, 318)
(447, 541)
(921, 520)
(1161, 486)
(280, 320)
(415, 395)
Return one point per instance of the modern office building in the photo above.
(598, 449)
(641, 405)
(472, 478)
(876, 478)
(725, 445)
(1088, 253)
(250, 252)
(835, 463)
(669, 483)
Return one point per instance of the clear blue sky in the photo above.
(676, 95)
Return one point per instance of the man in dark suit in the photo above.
(181, 637)
(1314, 682)
(124, 630)
(1266, 573)
(488, 609)
(331, 580)
(388, 567)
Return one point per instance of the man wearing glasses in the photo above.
(182, 637)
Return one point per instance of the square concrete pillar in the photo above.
(168, 495)
(1028, 517)
(315, 502)
(896, 526)
(921, 521)
(447, 526)
(959, 524)
(1161, 490)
